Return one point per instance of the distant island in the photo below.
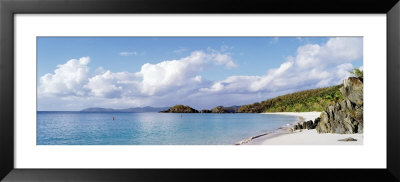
(128, 110)
(302, 101)
(180, 109)
(187, 109)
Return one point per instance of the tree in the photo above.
(218, 109)
(357, 73)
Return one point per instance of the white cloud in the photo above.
(112, 85)
(128, 53)
(168, 75)
(336, 50)
(248, 84)
(67, 79)
(313, 66)
(99, 70)
(179, 82)
(180, 75)
(225, 48)
(343, 70)
(180, 50)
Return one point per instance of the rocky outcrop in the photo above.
(180, 109)
(346, 116)
(353, 90)
(307, 124)
(348, 139)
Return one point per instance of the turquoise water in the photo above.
(77, 128)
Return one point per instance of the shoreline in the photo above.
(301, 116)
(282, 135)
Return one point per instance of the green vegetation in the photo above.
(180, 109)
(303, 101)
(218, 109)
(357, 73)
(205, 111)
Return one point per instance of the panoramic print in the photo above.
(199, 91)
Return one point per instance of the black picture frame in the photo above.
(9, 8)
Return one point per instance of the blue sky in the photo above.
(119, 72)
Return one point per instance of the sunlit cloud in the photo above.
(180, 81)
(128, 53)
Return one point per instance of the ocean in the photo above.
(80, 128)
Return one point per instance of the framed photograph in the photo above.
(124, 91)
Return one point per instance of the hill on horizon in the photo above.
(133, 110)
(302, 101)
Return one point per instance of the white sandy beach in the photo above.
(305, 137)
(306, 115)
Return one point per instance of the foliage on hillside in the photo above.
(358, 73)
(205, 111)
(222, 109)
(303, 101)
(180, 109)
(218, 109)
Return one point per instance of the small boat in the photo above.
(113, 117)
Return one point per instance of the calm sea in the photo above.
(78, 128)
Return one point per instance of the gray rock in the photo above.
(345, 116)
(353, 90)
(348, 139)
(308, 125)
(316, 121)
(300, 125)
